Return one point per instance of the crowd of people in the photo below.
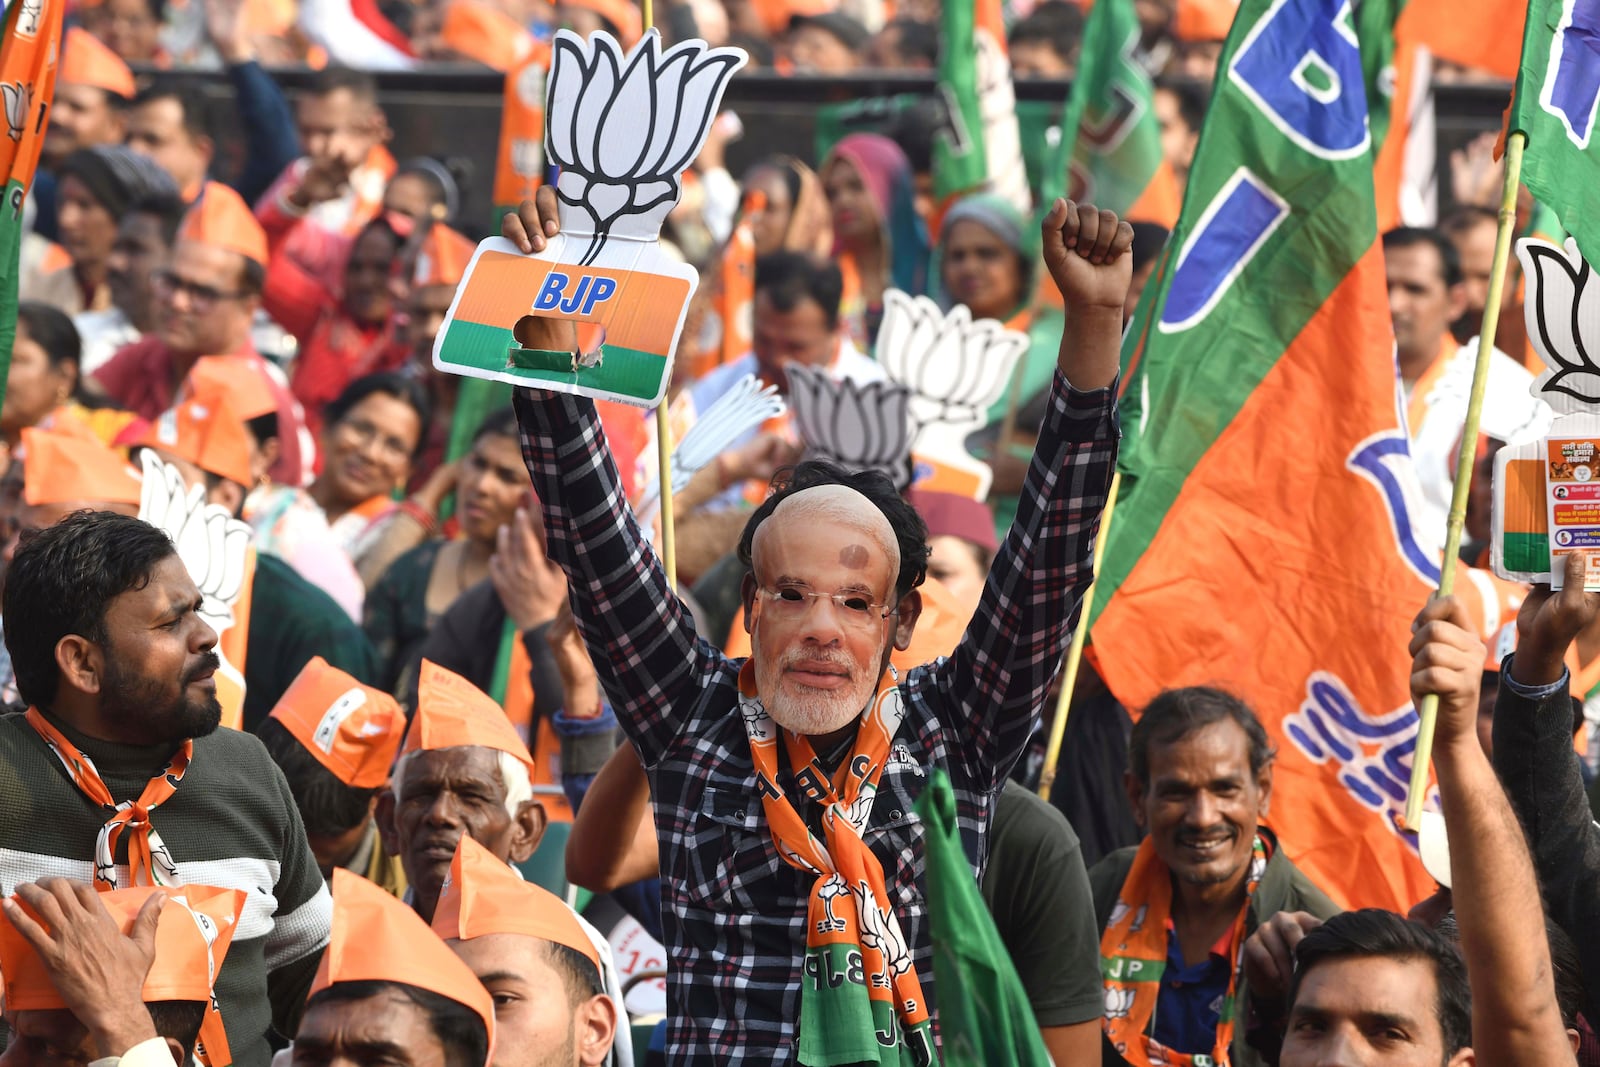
(464, 779)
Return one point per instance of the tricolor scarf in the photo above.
(148, 859)
(860, 999)
(1133, 955)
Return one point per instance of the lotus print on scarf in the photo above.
(955, 366)
(1563, 319)
(858, 426)
(616, 182)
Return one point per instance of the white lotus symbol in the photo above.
(624, 127)
(855, 425)
(1563, 317)
(17, 98)
(955, 366)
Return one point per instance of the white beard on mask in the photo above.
(806, 711)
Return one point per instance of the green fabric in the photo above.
(1037, 891)
(838, 1024)
(1554, 104)
(625, 371)
(1109, 132)
(984, 1017)
(959, 160)
(509, 636)
(1193, 369)
(1374, 20)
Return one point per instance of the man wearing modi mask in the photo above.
(785, 785)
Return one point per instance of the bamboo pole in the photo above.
(1069, 672)
(669, 537)
(1429, 710)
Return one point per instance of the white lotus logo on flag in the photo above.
(1563, 318)
(598, 102)
(854, 425)
(18, 97)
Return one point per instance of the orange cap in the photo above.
(203, 430)
(453, 713)
(376, 938)
(241, 381)
(61, 467)
(623, 14)
(482, 895)
(1204, 20)
(443, 257)
(485, 34)
(221, 218)
(86, 61)
(350, 728)
(193, 933)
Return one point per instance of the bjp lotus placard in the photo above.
(622, 128)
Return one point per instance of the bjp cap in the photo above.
(453, 713)
(482, 895)
(61, 467)
(86, 61)
(485, 34)
(351, 729)
(241, 381)
(443, 257)
(193, 933)
(376, 938)
(205, 431)
(221, 218)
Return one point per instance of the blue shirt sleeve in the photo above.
(272, 142)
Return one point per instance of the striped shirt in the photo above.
(735, 912)
(231, 823)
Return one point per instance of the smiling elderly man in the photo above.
(795, 921)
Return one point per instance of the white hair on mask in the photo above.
(839, 505)
(513, 775)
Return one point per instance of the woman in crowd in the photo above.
(878, 238)
(43, 381)
(795, 217)
(419, 587)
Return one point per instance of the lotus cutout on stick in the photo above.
(856, 425)
(1563, 319)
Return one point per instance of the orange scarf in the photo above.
(1133, 955)
(857, 940)
(148, 859)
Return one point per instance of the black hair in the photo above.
(790, 278)
(330, 80)
(253, 276)
(1415, 236)
(179, 1020)
(444, 179)
(459, 1029)
(63, 579)
(191, 103)
(917, 38)
(1057, 24)
(52, 330)
(263, 428)
(327, 805)
(578, 971)
(167, 209)
(402, 387)
(785, 167)
(1149, 238)
(1177, 713)
(502, 422)
(1372, 933)
(1467, 216)
(910, 531)
(917, 128)
(1193, 96)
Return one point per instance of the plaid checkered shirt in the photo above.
(734, 911)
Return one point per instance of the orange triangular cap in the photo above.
(242, 381)
(203, 430)
(222, 219)
(352, 729)
(453, 713)
(1204, 20)
(64, 467)
(86, 61)
(376, 938)
(443, 257)
(482, 895)
(486, 34)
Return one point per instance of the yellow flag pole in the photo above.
(669, 538)
(1429, 710)
(1069, 672)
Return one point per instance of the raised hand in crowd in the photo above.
(530, 586)
(1269, 954)
(229, 33)
(1085, 250)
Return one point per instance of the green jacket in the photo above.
(1284, 887)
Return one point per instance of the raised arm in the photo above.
(996, 681)
(1515, 1019)
(640, 636)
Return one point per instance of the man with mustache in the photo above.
(117, 774)
(1176, 910)
(791, 854)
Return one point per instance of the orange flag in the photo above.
(519, 164)
(1485, 36)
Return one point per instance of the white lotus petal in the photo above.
(1552, 292)
(702, 89)
(669, 91)
(633, 107)
(567, 66)
(592, 106)
(608, 200)
(1586, 312)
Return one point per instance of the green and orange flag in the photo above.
(980, 149)
(1263, 539)
(1110, 143)
(30, 50)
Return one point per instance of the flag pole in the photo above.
(1069, 672)
(669, 538)
(1428, 712)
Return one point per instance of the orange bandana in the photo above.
(851, 930)
(148, 859)
(1133, 954)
